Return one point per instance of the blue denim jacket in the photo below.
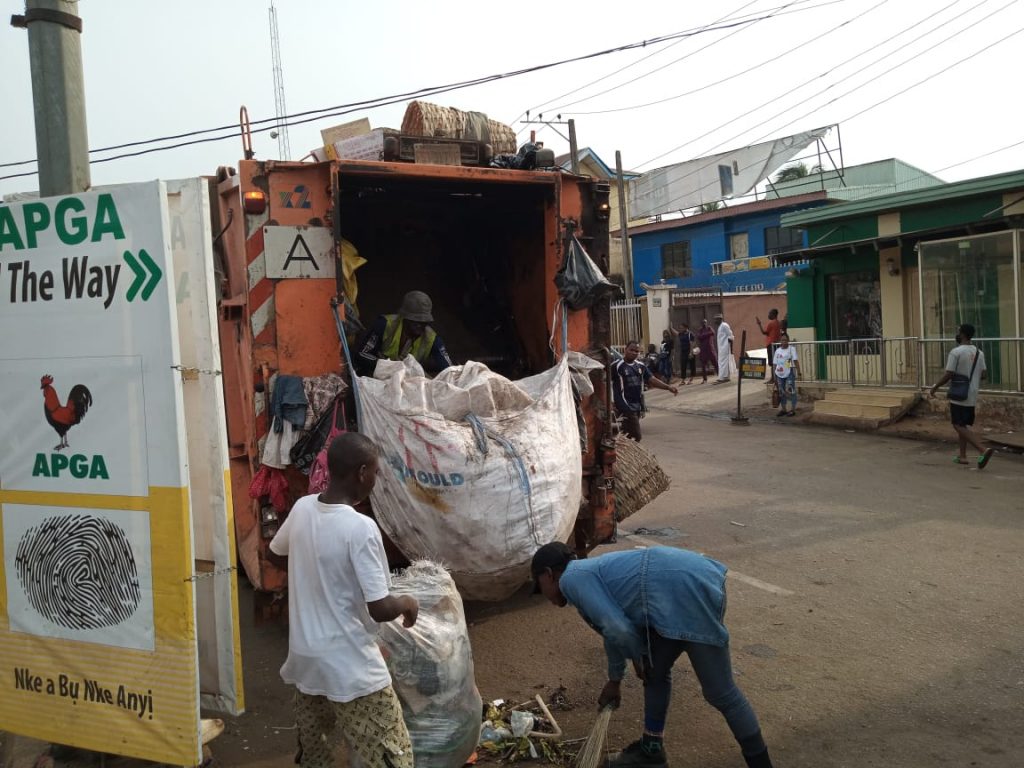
(677, 593)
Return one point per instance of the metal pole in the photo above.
(739, 418)
(574, 150)
(58, 95)
(627, 255)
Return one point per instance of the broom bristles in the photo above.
(591, 755)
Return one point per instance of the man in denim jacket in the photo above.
(651, 606)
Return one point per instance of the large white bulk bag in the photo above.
(478, 471)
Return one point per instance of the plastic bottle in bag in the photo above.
(431, 667)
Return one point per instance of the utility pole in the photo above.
(58, 94)
(627, 252)
(574, 148)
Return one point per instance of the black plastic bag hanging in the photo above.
(579, 281)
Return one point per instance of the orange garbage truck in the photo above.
(484, 243)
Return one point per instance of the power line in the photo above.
(899, 93)
(627, 66)
(785, 110)
(733, 76)
(737, 31)
(341, 109)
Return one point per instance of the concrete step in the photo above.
(856, 409)
(862, 407)
(895, 400)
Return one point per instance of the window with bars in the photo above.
(675, 260)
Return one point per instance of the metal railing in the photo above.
(1003, 362)
(627, 323)
(906, 361)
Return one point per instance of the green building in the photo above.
(885, 281)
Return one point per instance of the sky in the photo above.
(927, 81)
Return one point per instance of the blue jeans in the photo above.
(787, 389)
(713, 668)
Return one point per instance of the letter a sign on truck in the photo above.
(97, 592)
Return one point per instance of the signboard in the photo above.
(753, 368)
(98, 643)
(213, 527)
(297, 252)
(714, 177)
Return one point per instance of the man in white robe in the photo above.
(725, 339)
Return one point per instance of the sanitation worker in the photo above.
(393, 337)
(651, 606)
(339, 590)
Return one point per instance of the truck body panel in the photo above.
(484, 243)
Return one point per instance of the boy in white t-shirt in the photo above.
(338, 587)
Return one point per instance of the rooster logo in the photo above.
(64, 417)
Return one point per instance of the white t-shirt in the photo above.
(783, 361)
(960, 361)
(336, 565)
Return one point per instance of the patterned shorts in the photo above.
(372, 726)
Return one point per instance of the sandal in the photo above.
(984, 458)
(959, 460)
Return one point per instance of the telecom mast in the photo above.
(284, 150)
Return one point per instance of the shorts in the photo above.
(961, 415)
(372, 725)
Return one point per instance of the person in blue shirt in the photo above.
(651, 606)
(629, 376)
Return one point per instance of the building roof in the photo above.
(1003, 182)
(565, 163)
(878, 177)
(758, 206)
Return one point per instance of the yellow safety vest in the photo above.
(420, 348)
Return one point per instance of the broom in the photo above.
(591, 755)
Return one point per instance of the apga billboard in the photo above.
(98, 645)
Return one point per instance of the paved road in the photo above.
(887, 628)
(875, 606)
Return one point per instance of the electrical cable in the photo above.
(733, 76)
(871, 82)
(818, 77)
(341, 109)
(681, 58)
(627, 66)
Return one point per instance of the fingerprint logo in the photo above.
(78, 571)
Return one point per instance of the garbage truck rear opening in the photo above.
(485, 244)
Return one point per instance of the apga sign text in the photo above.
(71, 221)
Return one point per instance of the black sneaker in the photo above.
(635, 756)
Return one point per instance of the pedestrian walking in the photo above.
(965, 368)
(629, 376)
(725, 340)
(706, 344)
(786, 368)
(651, 606)
(688, 351)
(338, 590)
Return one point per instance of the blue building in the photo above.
(733, 249)
(729, 249)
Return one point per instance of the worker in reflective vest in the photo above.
(394, 337)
